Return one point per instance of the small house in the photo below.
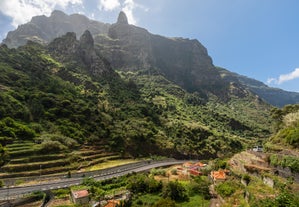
(194, 172)
(80, 197)
(219, 175)
(112, 203)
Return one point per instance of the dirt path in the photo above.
(215, 202)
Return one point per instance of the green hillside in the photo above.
(60, 106)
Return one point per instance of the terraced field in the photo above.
(27, 159)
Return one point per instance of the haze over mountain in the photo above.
(127, 47)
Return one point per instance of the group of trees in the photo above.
(287, 125)
(170, 192)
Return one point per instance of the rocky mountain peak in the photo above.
(68, 49)
(64, 47)
(122, 18)
(86, 40)
(58, 13)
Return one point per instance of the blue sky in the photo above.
(255, 38)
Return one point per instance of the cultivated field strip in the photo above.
(26, 159)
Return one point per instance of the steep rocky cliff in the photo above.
(183, 61)
(130, 48)
(44, 29)
(68, 49)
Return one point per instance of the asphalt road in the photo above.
(14, 192)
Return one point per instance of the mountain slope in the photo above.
(274, 96)
(127, 47)
(75, 93)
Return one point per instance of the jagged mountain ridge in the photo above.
(44, 29)
(128, 47)
(274, 96)
(67, 49)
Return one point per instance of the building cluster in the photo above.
(82, 197)
(190, 168)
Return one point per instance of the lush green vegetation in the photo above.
(147, 191)
(56, 104)
(291, 162)
(287, 126)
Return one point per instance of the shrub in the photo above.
(175, 191)
(165, 203)
(246, 178)
(140, 183)
(155, 171)
(52, 146)
(3, 155)
(61, 193)
(202, 186)
(226, 189)
(66, 141)
(174, 171)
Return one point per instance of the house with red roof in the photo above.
(80, 197)
(194, 172)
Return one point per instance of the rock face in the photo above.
(67, 49)
(122, 18)
(184, 61)
(44, 29)
(129, 48)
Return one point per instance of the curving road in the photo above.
(8, 193)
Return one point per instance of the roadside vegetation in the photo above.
(146, 190)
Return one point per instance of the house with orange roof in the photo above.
(219, 175)
(80, 197)
(112, 203)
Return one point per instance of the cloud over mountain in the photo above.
(21, 11)
(109, 5)
(285, 77)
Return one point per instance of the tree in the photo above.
(141, 183)
(175, 191)
(3, 155)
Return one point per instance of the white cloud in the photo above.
(129, 6)
(109, 5)
(271, 80)
(284, 77)
(290, 76)
(21, 11)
